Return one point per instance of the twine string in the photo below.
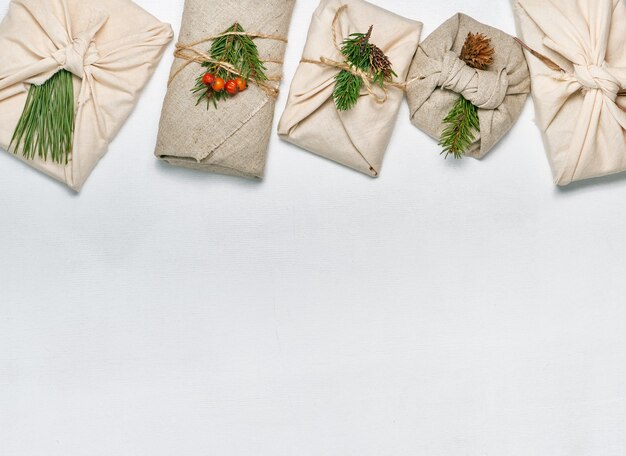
(190, 54)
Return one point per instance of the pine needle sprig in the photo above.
(238, 50)
(462, 122)
(46, 126)
(362, 55)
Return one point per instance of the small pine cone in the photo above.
(477, 51)
(379, 62)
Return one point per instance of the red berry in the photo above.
(208, 79)
(218, 85)
(231, 87)
(241, 84)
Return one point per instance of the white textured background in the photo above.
(444, 309)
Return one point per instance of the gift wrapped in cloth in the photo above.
(71, 73)
(231, 136)
(576, 51)
(356, 137)
(438, 77)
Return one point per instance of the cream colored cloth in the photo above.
(357, 138)
(111, 46)
(233, 138)
(438, 76)
(578, 110)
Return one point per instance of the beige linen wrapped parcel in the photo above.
(359, 137)
(580, 103)
(111, 47)
(233, 138)
(438, 77)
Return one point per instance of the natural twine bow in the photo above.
(554, 66)
(367, 77)
(189, 53)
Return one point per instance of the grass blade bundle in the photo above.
(46, 126)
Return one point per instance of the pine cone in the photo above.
(379, 62)
(477, 51)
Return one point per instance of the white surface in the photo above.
(444, 309)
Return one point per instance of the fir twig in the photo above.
(241, 52)
(462, 121)
(46, 126)
(362, 55)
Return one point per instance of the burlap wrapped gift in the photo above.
(112, 48)
(232, 138)
(359, 137)
(579, 83)
(438, 77)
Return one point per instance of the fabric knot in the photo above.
(594, 77)
(77, 55)
(484, 89)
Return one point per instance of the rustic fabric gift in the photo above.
(578, 82)
(357, 137)
(111, 47)
(438, 77)
(231, 137)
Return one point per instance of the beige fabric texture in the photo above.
(233, 138)
(438, 76)
(582, 118)
(357, 138)
(112, 48)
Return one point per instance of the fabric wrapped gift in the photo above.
(111, 47)
(233, 137)
(438, 76)
(359, 137)
(578, 81)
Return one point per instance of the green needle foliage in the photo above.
(238, 50)
(360, 54)
(461, 121)
(46, 126)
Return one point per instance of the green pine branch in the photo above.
(46, 126)
(241, 52)
(357, 52)
(458, 136)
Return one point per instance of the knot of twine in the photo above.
(366, 76)
(590, 77)
(485, 90)
(191, 54)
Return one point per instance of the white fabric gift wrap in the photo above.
(111, 47)
(357, 138)
(578, 83)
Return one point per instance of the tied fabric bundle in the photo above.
(232, 137)
(110, 47)
(577, 59)
(358, 137)
(438, 77)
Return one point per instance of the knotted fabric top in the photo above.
(484, 89)
(111, 47)
(438, 77)
(579, 107)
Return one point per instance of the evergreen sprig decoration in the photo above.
(462, 122)
(364, 56)
(235, 48)
(46, 126)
